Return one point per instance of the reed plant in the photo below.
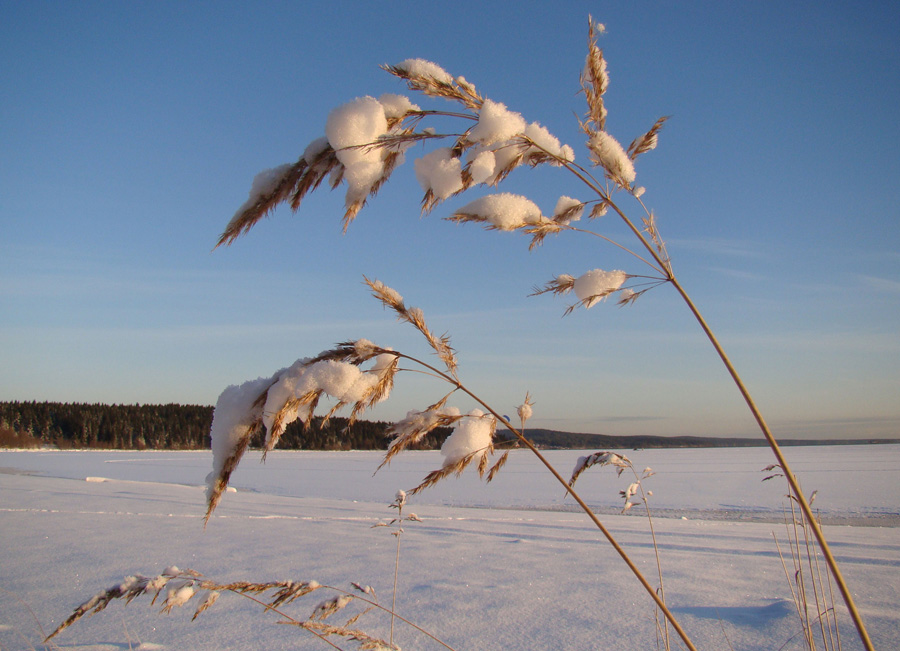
(812, 590)
(365, 141)
(492, 142)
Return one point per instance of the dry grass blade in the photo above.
(220, 483)
(497, 466)
(461, 217)
(621, 463)
(649, 223)
(263, 204)
(415, 317)
(280, 420)
(511, 162)
(539, 232)
(325, 163)
(412, 429)
(588, 301)
(211, 599)
(367, 642)
(595, 81)
(389, 297)
(643, 144)
(330, 606)
(564, 217)
(128, 590)
(562, 284)
(457, 89)
(455, 468)
(378, 392)
(599, 209)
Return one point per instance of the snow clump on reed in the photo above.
(472, 435)
(349, 128)
(440, 172)
(610, 155)
(594, 285)
(503, 211)
(496, 123)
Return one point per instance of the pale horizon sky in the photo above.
(130, 133)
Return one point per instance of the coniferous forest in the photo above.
(166, 427)
(186, 427)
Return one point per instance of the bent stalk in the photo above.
(788, 473)
(571, 491)
(805, 507)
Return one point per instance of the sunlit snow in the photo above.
(507, 565)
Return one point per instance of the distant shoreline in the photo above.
(187, 427)
(553, 439)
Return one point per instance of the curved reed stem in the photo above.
(788, 473)
(751, 404)
(571, 491)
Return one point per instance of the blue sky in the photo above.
(130, 133)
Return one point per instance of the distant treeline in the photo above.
(186, 427)
(167, 427)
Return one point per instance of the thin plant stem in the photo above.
(662, 591)
(815, 579)
(803, 503)
(787, 575)
(396, 570)
(751, 404)
(614, 243)
(799, 576)
(805, 507)
(767, 433)
(289, 620)
(377, 605)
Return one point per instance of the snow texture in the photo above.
(314, 148)
(504, 211)
(396, 106)
(471, 434)
(496, 124)
(594, 285)
(548, 142)
(479, 578)
(568, 203)
(482, 166)
(233, 415)
(609, 154)
(440, 172)
(422, 68)
(348, 128)
(263, 183)
(524, 411)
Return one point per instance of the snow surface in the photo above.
(505, 565)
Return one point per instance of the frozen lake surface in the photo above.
(499, 566)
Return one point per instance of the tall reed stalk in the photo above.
(365, 141)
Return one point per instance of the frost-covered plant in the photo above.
(472, 439)
(365, 141)
(399, 502)
(622, 463)
(812, 590)
(174, 588)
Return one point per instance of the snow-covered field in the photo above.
(508, 565)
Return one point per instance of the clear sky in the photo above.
(130, 133)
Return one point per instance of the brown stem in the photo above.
(767, 433)
(788, 473)
(571, 491)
